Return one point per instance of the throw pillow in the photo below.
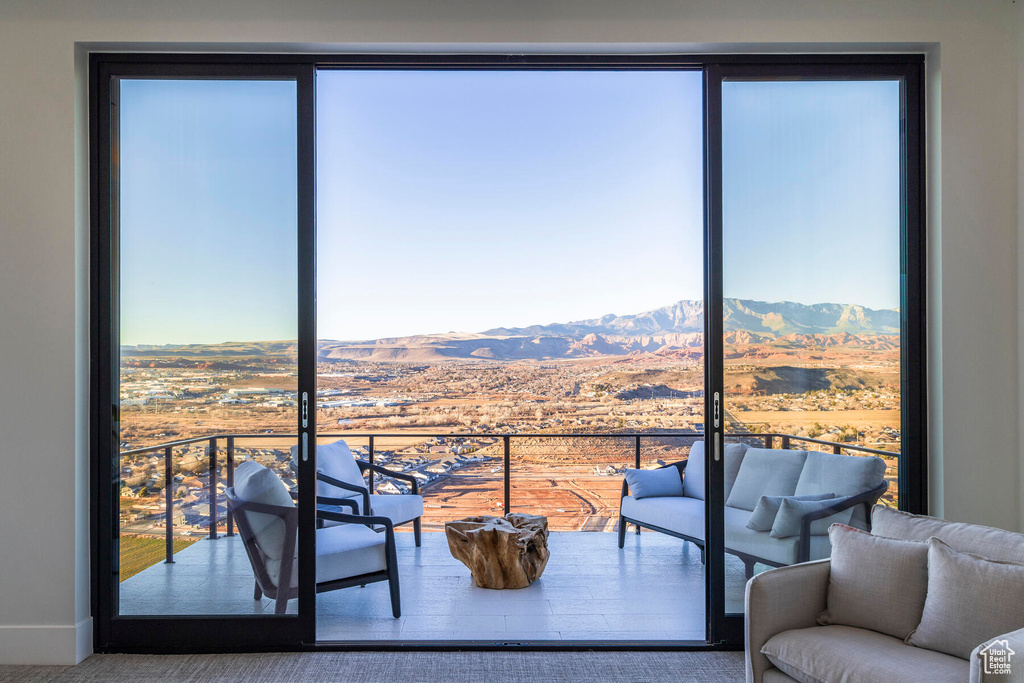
(658, 483)
(763, 516)
(971, 599)
(791, 513)
(875, 583)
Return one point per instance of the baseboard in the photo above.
(46, 644)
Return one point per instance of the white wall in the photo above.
(973, 322)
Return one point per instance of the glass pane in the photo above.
(811, 202)
(514, 254)
(206, 191)
(575, 482)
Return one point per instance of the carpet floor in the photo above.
(406, 667)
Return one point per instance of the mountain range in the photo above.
(671, 331)
(674, 330)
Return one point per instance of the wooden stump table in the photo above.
(501, 552)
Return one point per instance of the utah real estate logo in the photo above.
(996, 656)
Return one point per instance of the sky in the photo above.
(465, 200)
(811, 191)
(208, 211)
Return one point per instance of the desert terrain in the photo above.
(805, 371)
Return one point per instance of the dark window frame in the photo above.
(150, 634)
(913, 463)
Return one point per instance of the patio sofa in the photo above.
(851, 484)
(917, 599)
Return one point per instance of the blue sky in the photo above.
(208, 211)
(467, 200)
(811, 191)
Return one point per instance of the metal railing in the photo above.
(786, 440)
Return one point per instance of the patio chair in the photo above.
(348, 554)
(340, 477)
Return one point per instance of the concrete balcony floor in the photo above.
(651, 590)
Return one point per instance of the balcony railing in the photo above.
(214, 441)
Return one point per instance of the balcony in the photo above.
(652, 590)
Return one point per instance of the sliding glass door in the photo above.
(815, 414)
(206, 379)
(535, 274)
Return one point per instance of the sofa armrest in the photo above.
(362, 490)
(1015, 641)
(781, 600)
(363, 466)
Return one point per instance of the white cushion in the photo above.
(767, 509)
(341, 552)
(734, 453)
(676, 513)
(694, 475)
(398, 508)
(848, 654)
(876, 583)
(843, 475)
(789, 521)
(255, 483)
(971, 599)
(766, 472)
(656, 483)
(336, 461)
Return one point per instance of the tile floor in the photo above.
(651, 590)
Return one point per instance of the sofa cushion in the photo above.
(843, 475)
(336, 461)
(676, 513)
(766, 472)
(398, 508)
(876, 583)
(733, 457)
(738, 538)
(256, 484)
(791, 513)
(657, 483)
(773, 675)
(831, 654)
(693, 475)
(694, 479)
(971, 599)
(995, 544)
(763, 516)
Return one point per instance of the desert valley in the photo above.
(828, 372)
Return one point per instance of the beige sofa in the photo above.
(783, 605)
